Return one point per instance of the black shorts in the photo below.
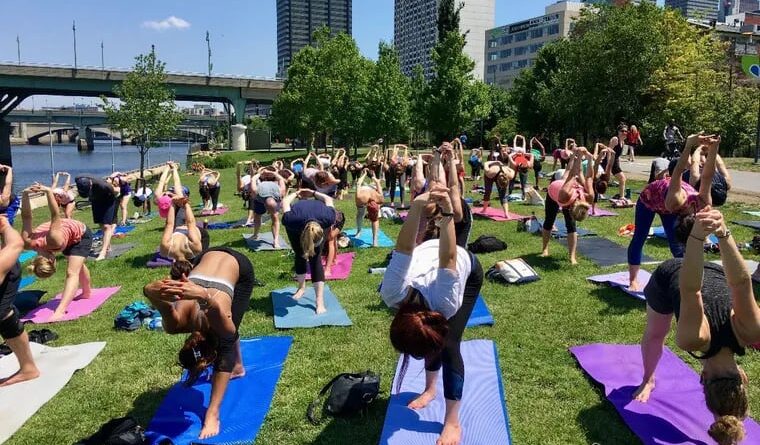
(258, 206)
(9, 289)
(616, 169)
(537, 165)
(82, 248)
(104, 210)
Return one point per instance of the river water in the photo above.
(32, 163)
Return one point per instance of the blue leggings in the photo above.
(643, 220)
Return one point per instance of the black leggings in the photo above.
(451, 356)
(315, 261)
(552, 209)
(523, 182)
(476, 166)
(9, 289)
(393, 178)
(463, 228)
(489, 185)
(211, 193)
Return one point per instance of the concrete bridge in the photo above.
(18, 82)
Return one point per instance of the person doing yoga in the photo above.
(721, 180)
(209, 188)
(395, 173)
(434, 286)
(499, 172)
(476, 162)
(675, 201)
(68, 236)
(267, 190)
(571, 195)
(601, 177)
(339, 169)
(368, 201)
(308, 224)
(716, 317)
(63, 193)
(11, 328)
(319, 179)
(121, 181)
(207, 298)
(182, 242)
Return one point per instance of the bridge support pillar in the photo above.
(5, 143)
(238, 108)
(85, 140)
(237, 142)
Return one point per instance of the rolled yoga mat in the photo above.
(620, 280)
(495, 214)
(265, 241)
(116, 251)
(364, 240)
(179, 418)
(482, 414)
(480, 315)
(342, 269)
(675, 412)
(77, 308)
(19, 402)
(301, 313)
(604, 252)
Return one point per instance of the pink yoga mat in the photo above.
(218, 211)
(342, 269)
(77, 308)
(496, 214)
(600, 212)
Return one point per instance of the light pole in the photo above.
(208, 45)
(50, 136)
(102, 59)
(74, 30)
(18, 49)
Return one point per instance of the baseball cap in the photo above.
(164, 204)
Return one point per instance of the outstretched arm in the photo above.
(455, 195)
(447, 246)
(676, 196)
(287, 202)
(166, 236)
(162, 181)
(178, 191)
(407, 236)
(5, 197)
(26, 218)
(693, 332)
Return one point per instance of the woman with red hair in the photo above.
(434, 286)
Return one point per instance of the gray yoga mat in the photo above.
(604, 252)
(117, 250)
(751, 224)
(265, 241)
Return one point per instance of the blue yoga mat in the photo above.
(26, 281)
(483, 413)
(480, 314)
(364, 240)
(119, 229)
(561, 231)
(26, 256)
(659, 232)
(180, 417)
(290, 313)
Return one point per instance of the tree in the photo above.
(147, 112)
(386, 106)
(448, 18)
(418, 105)
(257, 123)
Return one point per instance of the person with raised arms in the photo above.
(539, 154)
(64, 195)
(68, 236)
(267, 189)
(499, 172)
(716, 318)
(209, 188)
(121, 180)
(207, 299)
(434, 286)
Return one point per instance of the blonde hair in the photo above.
(580, 210)
(502, 180)
(310, 237)
(43, 267)
(727, 398)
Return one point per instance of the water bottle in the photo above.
(205, 223)
(377, 270)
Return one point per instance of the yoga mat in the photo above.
(290, 313)
(659, 232)
(480, 315)
(364, 240)
(265, 241)
(19, 402)
(218, 211)
(342, 269)
(227, 225)
(599, 212)
(119, 229)
(495, 214)
(117, 250)
(180, 416)
(159, 260)
(78, 307)
(26, 256)
(561, 229)
(753, 213)
(751, 266)
(620, 281)
(675, 412)
(604, 252)
(483, 413)
(26, 300)
(751, 224)
(26, 281)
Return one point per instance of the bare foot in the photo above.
(56, 317)
(451, 434)
(422, 400)
(643, 392)
(299, 293)
(321, 309)
(19, 377)
(237, 372)
(328, 271)
(100, 258)
(84, 295)
(573, 260)
(545, 253)
(210, 427)
(634, 286)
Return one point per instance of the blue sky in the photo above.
(243, 32)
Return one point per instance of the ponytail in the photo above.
(727, 430)
(726, 398)
(310, 236)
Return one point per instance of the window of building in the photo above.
(491, 69)
(537, 33)
(505, 40)
(505, 66)
(493, 56)
(503, 54)
(522, 63)
(521, 50)
(536, 47)
(492, 43)
(553, 29)
(521, 37)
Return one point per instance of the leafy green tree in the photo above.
(386, 106)
(418, 105)
(257, 123)
(448, 18)
(146, 112)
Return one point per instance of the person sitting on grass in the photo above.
(11, 328)
(368, 201)
(64, 195)
(207, 298)
(675, 201)
(716, 318)
(571, 194)
(267, 189)
(308, 224)
(68, 236)
(434, 286)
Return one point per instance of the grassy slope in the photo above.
(550, 401)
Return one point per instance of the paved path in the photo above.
(744, 183)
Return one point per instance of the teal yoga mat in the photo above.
(301, 313)
(364, 240)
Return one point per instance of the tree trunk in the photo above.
(142, 162)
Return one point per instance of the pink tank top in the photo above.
(653, 196)
(72, 229)
(577, 192)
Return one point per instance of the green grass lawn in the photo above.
(549, 399)
(742, 164)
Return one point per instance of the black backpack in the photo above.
(121, 431)
(486, 244)
(348, 394)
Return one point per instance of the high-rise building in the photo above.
(705, 10)
(416, 32)
(298, 19)
(509, 49)
(733, 7)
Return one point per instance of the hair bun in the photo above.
(727, 430)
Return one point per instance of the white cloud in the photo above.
(171, 22)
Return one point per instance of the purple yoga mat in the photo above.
(600, 212)
(77, 308)
(620, 280)
(496, 214)
(676, 411)
(159, 261)
(342, 269)
(218, 211)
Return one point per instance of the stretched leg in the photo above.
(256, 225)
(488, 184)
(643, 222)
(658, 326)
(85, 281)
(621, 178)
(318, 279)
(70, 286)
(238, 370)
(504, 200)
(572, 235)
(669, 224)
(523, 183)
(300, 263)
(551, 209)
(107, 230)
(123, 206)
(215, 197)
(275, 214)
